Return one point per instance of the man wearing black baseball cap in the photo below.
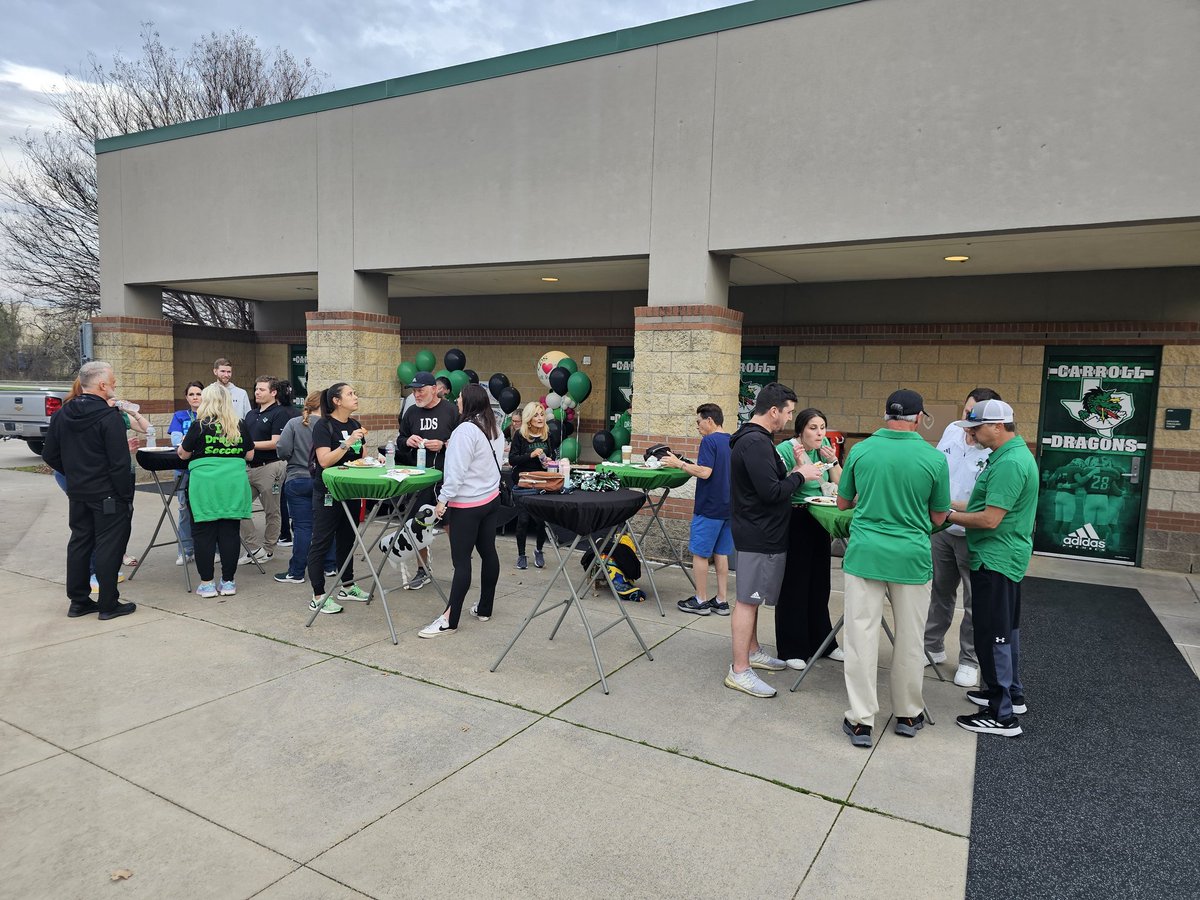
(899, 486)
(999, 521)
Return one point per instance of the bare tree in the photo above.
(50, 224)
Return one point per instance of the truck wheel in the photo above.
(36, 446)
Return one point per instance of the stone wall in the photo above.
(358, 348)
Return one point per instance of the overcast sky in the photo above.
(353, 41)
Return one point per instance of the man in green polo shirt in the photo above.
(999, 522)
(899, 485)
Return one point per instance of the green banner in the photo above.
(298, 371)
(1098, 408)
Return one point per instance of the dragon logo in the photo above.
(1098, 408)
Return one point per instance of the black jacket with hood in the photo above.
(86, 442)
(760, 492)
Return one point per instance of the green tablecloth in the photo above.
(370, 484)
(837, 521)
(646, 479)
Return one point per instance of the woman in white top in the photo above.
(471, 489)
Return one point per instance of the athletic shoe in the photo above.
(329, 608)
(475, 613)
(797, 664)
(837, 654)
(908, 726)
(286, 578)
(121, 609)
(522, 562)
(436, 628)
(261, 555)
(748, 683)
(982, 698)
(83, 608)
(283, 542)
(331, 573)
(692, 605)
(96, 584)
(966, 676)
(860, 735)
(720, 607)
(184, 558)
(983, 723)
(206, 589)
(538, 559)
(418, 581)
(761, 659)
(227, 588)
(939, 657)
(354, 592)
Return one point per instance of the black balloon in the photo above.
(559, 377)
(555, 428)
(568, 428)
(604, 444)
(472, 376)
(455, 360)
(497, 383)
(509, 398)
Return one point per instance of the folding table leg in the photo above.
(534, 611)
(656, 518)
(166, 513)
(637, 545)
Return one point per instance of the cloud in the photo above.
(31, 78)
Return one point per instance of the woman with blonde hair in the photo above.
(294, 447)
(531, 449)
(217, 447)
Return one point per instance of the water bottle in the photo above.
(150, 436)
(421, 457)
(389, 454)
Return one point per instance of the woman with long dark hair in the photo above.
(337, 438)
(471, 490)
(802, 612)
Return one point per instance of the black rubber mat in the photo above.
(1100, 797)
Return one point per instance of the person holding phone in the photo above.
(181, 423)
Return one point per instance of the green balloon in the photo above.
(442, 373)
(426, 361)
(506, 423)
(620, 435)
(559, 413)
(460, 380)
(405, 372)
(569, 449)
(579, 386)
(615, 456)
(569, 364)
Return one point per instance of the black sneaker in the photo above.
(907, 726)
(692, 605)
(83, 608)
(121, 609)
(981, 698)
(720, 607)
(860, 735)
(418, 581)
(984, 723)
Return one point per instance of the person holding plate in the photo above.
(802, 614)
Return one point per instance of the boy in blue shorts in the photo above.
(710, 534)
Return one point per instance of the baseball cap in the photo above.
(989, 412)
(422, 379)
(904, 403)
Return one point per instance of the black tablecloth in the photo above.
(584, 512)
(163, 459)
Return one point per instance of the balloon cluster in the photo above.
(608, 444)
(568, 388)
(456, 371)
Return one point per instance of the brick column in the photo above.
(683, 356)
(362, 349)
(142, 354)
(1171, 532)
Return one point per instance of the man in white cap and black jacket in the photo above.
(760, 493)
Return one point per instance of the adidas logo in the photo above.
(1084, 538)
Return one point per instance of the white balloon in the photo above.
(568, 402)
(553, 400)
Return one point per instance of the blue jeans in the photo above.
(298, 492)
(186, 547)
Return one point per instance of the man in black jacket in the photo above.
(86, 443)
(760, 488)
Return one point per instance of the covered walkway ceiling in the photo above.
(1159, 245)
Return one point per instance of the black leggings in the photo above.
(473, 528)
(330, 522)
(207, 537)
(802, 612)
(525, 519)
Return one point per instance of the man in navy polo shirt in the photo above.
(710, 532)
(264, 424)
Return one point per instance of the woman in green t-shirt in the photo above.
(802, 613)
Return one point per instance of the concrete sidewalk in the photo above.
(221, 749)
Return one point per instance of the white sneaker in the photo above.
(797, 664)
(936, 657)
(837, 654)
(260, 556)
(966, 676)
(436, 628)
(475, 613)
(748, 683)
(184, 558)
(761, 659)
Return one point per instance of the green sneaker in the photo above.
(354, 592)
(329, 608)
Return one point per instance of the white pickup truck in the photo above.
(25, 411)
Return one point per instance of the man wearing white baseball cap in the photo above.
(999, 521)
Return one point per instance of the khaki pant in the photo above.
(266, 483)
(860, 641)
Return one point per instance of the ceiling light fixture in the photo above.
(956, 258)
(549, 278)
